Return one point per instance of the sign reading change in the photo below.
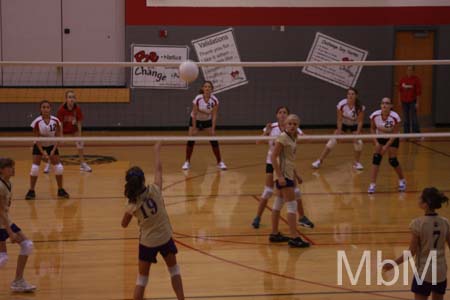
(326, 48)
(158, 77)
(220, 47)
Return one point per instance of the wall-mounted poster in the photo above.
(326, 48)
(220, 47)
(158, 77)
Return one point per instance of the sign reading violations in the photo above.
(158, 77)
(220, 47)
(326, 48)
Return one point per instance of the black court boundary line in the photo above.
(274, 295)
(286, 222)
(348, 290)
(225, 195)
(216, 238)
(430, 148)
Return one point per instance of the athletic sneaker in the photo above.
(256, 221)
(21, 286)
(305, 222)
(63, 194)
(278, 238)
(85, 167)
(298, 243)
(371, 189)
(47, 168)
(316, 164)
(31, 195)
(222, 166)
(186, 165)
(3, 259)
(358, 166)
(402, 185)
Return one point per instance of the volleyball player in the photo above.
(146, 203)
(274, 130)
(204, 117)
(429, 233)
(46, 125)
(10, 230)
(71, 117)
(283, 161)
(385, 120)
(350, 118)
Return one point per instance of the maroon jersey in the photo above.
(69, 118)
(409, 88)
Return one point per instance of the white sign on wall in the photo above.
(326, 48)
(220, 47)
(158, 77)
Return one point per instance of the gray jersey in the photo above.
(432, 231)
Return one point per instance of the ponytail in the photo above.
(135, 182)
(433, 198)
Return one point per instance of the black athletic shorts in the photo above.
(149, 253)
(289, 183)
(47, 149)
(201, 124)
(349, 128)
(426, 288)
(395, 143)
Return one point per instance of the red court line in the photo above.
(206, 173)
(286, 222)
(429, 148)
(281, 275)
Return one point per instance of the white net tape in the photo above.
(245, 138)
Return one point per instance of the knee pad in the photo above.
(298, 194)
(376, 160)
(331, 143)
(26, 248)
(174, 270)
(358, 145)
(191, 143)
(79, 144)
(291, 207)
(214, 143)
(267, 193)
(394, 162)
(59, 169)
(278, 203)
(34, 170)
(3, 259)
(142, 280)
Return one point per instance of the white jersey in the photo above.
(275, 131)
(204, 109)
(46, 129)
(385, 125)
(349, 115)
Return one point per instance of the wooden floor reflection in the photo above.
(81, 252)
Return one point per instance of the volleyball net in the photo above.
(147, 103)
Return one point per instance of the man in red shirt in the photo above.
(410, 90)
(70, 116)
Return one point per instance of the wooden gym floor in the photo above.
(81, 252)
